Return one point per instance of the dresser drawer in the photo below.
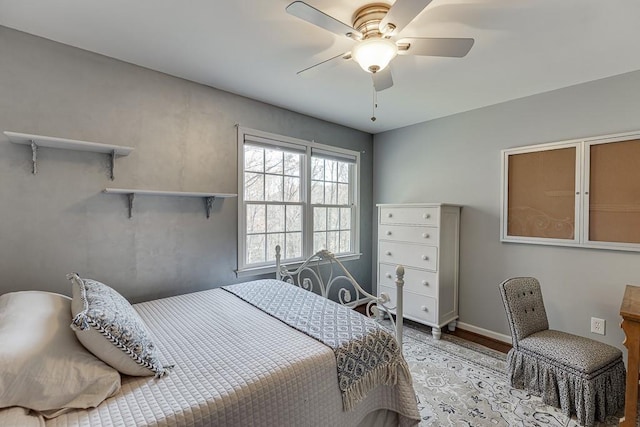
(416, 306)
(416, 281)
(404, 215)
(404, 233)
(409, 255)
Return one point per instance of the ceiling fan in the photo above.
(375, 29)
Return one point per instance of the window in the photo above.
(579, 193)
(297, 194)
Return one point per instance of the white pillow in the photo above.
(108, 326)
(43, 367)
(19, 416)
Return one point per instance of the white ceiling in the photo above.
(254, 48)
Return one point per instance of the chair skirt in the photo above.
(591, 396)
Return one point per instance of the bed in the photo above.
(235, 364)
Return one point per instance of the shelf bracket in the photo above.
(34, 157)
(208, 202)
(131, 196)
(113, 163)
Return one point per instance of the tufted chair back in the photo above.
(523, 303)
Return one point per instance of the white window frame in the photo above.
(581, 218)
(243, 269)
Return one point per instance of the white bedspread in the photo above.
(234, 366)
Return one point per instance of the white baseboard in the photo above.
(485, 332)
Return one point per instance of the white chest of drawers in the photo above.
(424, 238)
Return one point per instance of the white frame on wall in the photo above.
(582, 181)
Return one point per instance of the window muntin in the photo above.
(297, 194)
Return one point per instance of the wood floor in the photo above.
(460, 333)
(467, 335)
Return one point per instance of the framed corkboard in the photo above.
(582, 193)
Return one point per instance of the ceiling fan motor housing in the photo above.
(367, 19)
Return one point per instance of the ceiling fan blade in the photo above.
(401, 13)
(426, 46)
(316, 17)
(326, 64)
(382, 79)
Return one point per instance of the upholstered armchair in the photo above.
(579, 375)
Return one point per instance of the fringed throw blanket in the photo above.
(367, 356)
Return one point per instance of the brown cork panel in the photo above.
(541, 194)
(614, 187)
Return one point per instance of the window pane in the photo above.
(330, 170)
(345, 241)
(255, 248)
(253, 159)
(294, 245)
(345, 218)
(317, 192)
(256, 218)
(333, 218)
(291, 189)
(343, 194)
(274, 187)
(317, 169)
(319, 241)
(343, 172)
(333, 241)
(275, 218)
(319, 219)
(292, 164)
(294, 218)
(273, 161)
(272, 241)
(330, 193)
(254, 186)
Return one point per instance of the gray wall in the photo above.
(184, 136)
(457, 159)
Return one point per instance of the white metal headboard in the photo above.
(309, 277)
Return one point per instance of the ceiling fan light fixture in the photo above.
(374, 54)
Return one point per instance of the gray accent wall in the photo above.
(457, 160)
(185, 139)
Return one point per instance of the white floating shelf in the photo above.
(36, 141)
(207, 197)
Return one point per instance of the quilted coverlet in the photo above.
(235, 366)
(366, 355)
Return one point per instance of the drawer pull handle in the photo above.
(388, 276)
(388, 253)
(424, 257)
(389, 215)
(426, 216)
(424, 308)
(389, 233)
(424, 282)
(425, 235)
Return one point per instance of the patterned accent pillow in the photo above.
(108, 326)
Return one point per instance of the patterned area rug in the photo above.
(460, 383)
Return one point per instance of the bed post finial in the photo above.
(278, 263)
(399, 306)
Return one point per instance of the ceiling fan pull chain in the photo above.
(375, 105)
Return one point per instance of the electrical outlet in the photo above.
(597, 326)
